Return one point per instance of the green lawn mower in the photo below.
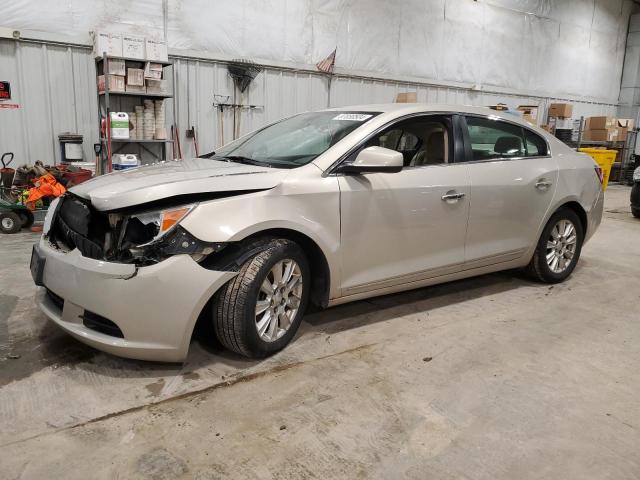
(13, 216)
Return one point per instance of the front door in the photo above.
(513, 179)
(402, 227)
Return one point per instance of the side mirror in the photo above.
(374, 159)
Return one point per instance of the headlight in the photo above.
(48, 218)
(636, 175)
(156, 224)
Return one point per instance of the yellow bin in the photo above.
(605, 159)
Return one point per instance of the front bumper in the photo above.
(155, 307)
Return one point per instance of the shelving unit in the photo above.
(118, 101)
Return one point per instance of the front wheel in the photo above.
(635, 212)
(558, 248)
(10, 222)
(258, 312)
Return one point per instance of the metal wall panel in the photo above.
(56, 88)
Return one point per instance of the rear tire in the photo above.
(558, 248)
(243, 305)
(635, 212)
(10, 222)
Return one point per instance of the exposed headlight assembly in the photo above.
(636, 175)
(150, 237)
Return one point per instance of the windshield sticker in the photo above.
(353, 117)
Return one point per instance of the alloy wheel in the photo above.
(278, 300)
(561, 246)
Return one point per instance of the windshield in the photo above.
(295, 141)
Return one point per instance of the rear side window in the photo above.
(495, 139)
(536, 145)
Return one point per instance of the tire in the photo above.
(10, 222)
(26, 217)
(635, 212)
(234, 306)
(539, 268)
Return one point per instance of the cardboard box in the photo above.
(156, 50)
(627, 123)
(135, 76)
(601, 134)
(133, 46)
(136, 89)
(116, 83)
(529, 113)
(561, 110)
(156, 86)
(622, 135)
(110, 43)
(599, 123)
(115, 67)
(153, 71)
(407, 97)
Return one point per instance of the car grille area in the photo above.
(55, 299)
(91, 320)
(77, 225)
(101, 324)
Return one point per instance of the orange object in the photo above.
(45, 186)
(171, 217)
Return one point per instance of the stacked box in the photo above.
(116, 83)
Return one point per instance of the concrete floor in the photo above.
(489, 378)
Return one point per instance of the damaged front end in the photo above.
(143, 236)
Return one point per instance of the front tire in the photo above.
(558, 248)
(258, 312)
(635, 212)
(10, 222)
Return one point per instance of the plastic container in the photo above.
(605, 159)
(80, 176)
(119, 123)
(71, 147)
(124, 161)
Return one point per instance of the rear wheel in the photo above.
(10, 222)
(558, 248)
(635, 212)
(259, 311)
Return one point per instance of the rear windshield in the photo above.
(295, 141)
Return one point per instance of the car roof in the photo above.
(421, 107)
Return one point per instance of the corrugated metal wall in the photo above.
(56, 90)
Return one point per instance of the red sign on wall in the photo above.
(5, 91)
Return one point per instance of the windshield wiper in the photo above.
(246, 160)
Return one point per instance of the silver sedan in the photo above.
(323, 207)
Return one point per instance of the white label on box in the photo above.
(133, 46)
(353, 117)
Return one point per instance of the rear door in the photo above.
(513, 179)
(402, 227)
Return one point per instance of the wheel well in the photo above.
(578, 210)
(320, 274)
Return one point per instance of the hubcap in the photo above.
(7, 223)
(278, 300)
(561, 246)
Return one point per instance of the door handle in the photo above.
(543, 184)
(452, 196)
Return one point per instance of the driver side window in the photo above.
(422, 141)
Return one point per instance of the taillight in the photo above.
(599, 174)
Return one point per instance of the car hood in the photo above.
(175, 178)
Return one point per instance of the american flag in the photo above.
(328, 63)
